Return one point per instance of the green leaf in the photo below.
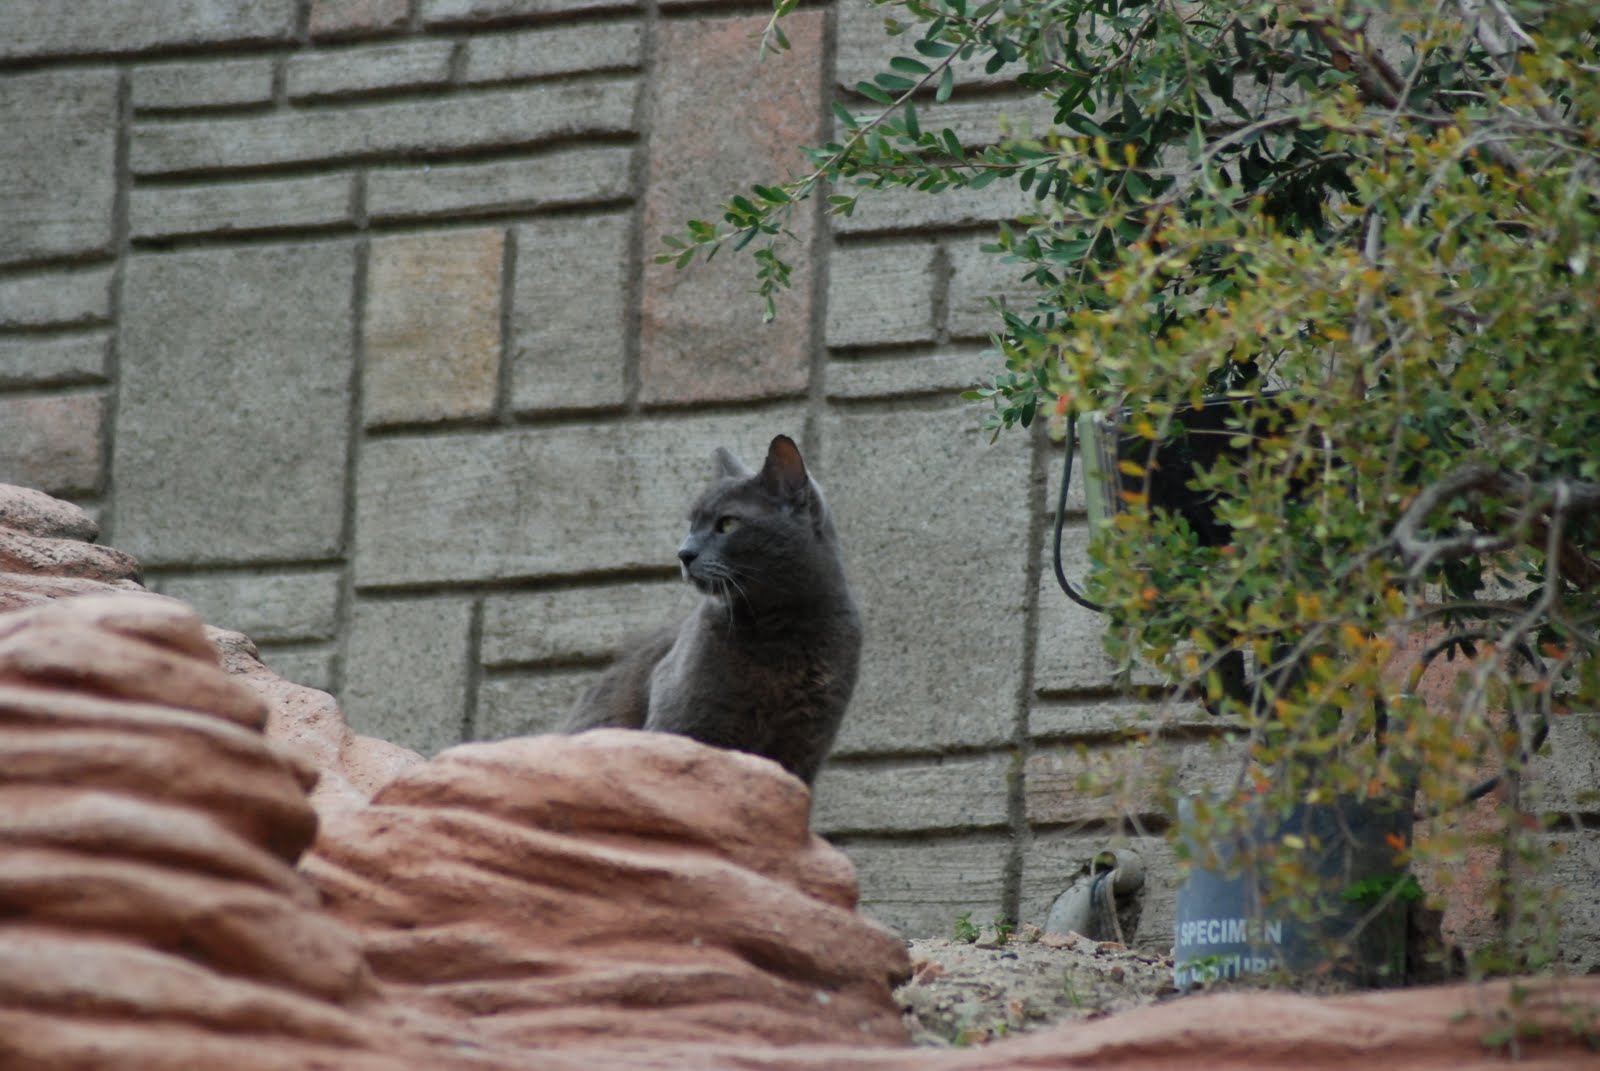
(894, 83)
(947, 82)
(933, 49)
(873, 93)
(842, 204)
(913, 128)
(910, 66)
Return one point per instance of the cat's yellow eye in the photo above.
(725, 525)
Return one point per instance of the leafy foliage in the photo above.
(1389, 214)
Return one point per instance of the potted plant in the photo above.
(1387, 216)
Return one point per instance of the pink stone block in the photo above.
(330, 17)
(51, 442)
(720, 120)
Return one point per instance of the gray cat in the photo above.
(767, 662)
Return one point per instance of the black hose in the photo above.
(1061, 513)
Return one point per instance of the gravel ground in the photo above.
(969, 993)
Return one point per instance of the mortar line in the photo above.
(1016, 787)
(822, 244)
(638, 180)
(508, 291)
(942, 273)
(344, 608)
(474, 671)
(121, 243)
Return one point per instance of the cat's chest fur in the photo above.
(730, 684)
(768, 661)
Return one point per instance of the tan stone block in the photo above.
(433, 326)
(720, 122)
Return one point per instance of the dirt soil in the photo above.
(969, 993)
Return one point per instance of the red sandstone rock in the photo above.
(24, 553)
(35, 513)
(352, 767)
(147, 850)
(615, 885)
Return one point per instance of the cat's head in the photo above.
(765, 537)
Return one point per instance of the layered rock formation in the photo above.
(201, 866)
(612, 886)
(148, 836)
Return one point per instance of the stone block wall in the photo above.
(341, 315)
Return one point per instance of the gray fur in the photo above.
(767, 662)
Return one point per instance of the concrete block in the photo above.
(1071, 658)
(578, 623)
(588, 498)
(966, 792)
(900, 210)
(406, 670)
(552, 180)
(1054, 859)
(53, 360)
(881, 294)
(240, 207)
(976, 124)
(56, 298)
(51, 442)
(58, 141)
(496, 118)
(570, 313)
(1572, 878)
(1564, 776)
(863, 48)
(612, 45)
(528, 703)
(701, 335)
(312, 667)
(82, 27)
(348, 18)
(977, 281)
(277, 607)
(1064, 786)
(435, 12)
(1099, 719)
(920, 887)
(232, 418)
(432, 326)
(935, 526)
(369, 69)
(947, 371)
(204, 84)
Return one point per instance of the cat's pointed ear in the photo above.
(784, 473)
(724, 464)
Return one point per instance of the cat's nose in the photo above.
(687, 554)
